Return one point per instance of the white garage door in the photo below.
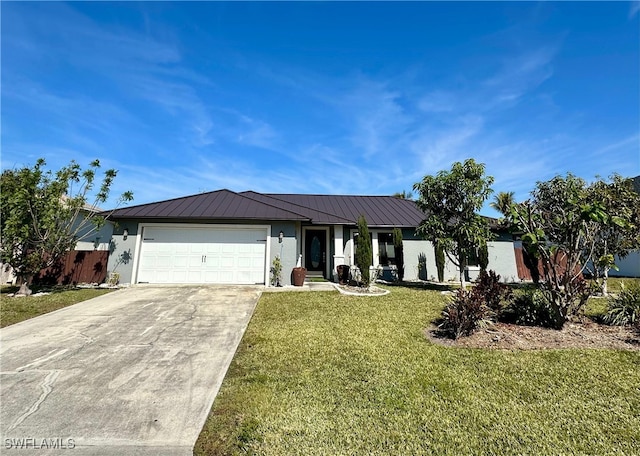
(202, 255)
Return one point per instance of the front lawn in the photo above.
(324, 373)
(16, 309)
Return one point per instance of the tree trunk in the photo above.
(24, 285)
(605, 291)
(462, 261)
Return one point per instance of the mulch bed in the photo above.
(362, 291)
(586, 334)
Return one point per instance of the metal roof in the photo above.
(221, 204)
(316, 209)
(378, 210)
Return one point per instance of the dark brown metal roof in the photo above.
(313, 214)
(221, 204)
(385, 211)
(378, 210)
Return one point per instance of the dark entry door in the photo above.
(315, 249)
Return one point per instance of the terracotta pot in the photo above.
(299, 274)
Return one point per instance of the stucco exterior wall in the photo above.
(95, 240)
(502, 260)
(287, 250)
(121, 258)
(628, 266)
(420, 262)
(122, 250)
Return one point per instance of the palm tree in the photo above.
(403, 195)
(502, 202)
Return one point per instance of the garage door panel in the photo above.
(202, 255)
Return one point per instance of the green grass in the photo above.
(14, 310)
(328, 374)
(614, 284)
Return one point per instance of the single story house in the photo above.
(233, 238)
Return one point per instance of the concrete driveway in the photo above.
(133, 372)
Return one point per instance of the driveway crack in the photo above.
(46, 386)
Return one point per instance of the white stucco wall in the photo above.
(502, 260)
(95, 240)
(287, 249)
(628, 266)
(122, 251)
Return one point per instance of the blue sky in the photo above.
(341, 98)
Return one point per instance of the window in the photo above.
(386, 250)
(472, 258)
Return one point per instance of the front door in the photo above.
(315, 249)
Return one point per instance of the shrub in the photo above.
(530, 308)
(483, 256)
(364, 255)
(439, 249)
(276, 271)
(489, 288)
(398, 249)
(624, 308)
(466, 313)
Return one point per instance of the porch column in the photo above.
(338, 248)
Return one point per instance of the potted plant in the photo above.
(299, 273)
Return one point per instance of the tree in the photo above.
(403, 195)
(398, 248)
(502, 202)
(451, 200)
(619, 231)
(45, 213)
(439, 251)
(364, 255)
(562, 225)
(483, 256)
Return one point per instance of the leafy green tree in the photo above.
(398, 248)
(562, 224)
(45, 213)
(619, 231)
(364, 254)
(451, 200)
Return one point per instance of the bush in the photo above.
(439, 249)
(364, 255)
(528, 307)
(398, 248)
(489, 288)
(466, 313)
(624, 308)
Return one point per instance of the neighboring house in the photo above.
(78, 265)
(630, 265)
(228, 237)
(87, 262)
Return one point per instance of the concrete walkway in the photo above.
(133, 372)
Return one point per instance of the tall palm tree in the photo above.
(502, 202)
(403, 195)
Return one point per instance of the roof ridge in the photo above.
(270, 195)
(242, 194)
(326, 194)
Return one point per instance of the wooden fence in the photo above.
(77, 266)
(524, 273)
